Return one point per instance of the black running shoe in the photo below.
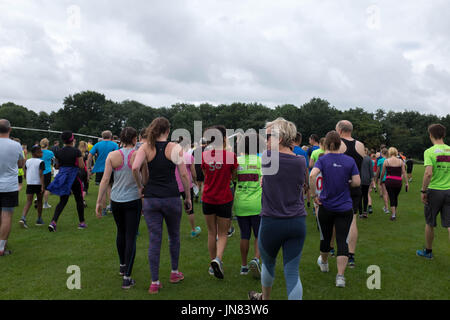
(128, 283)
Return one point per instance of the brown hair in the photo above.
(158, 127)
(437, 131)
(332, 141)
(127, 135)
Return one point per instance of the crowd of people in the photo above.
(149, 175)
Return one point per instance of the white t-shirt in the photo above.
(10, 153)
(33, 166)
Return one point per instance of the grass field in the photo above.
(37, 267)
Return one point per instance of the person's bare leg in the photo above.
(429, 236)
(5, 226)
(46, 194)
(223, 225)
(341, 264)
(39, 205)
(258, 255)
(191, 221)
(266, 293)
(353, 236)
(211, 224)
(385, 196)
(244, 246)
(28, 205)
(333, 237)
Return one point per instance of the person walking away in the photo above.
(356, 150)
(126, 201)
(68, 161)
(161, 196)
(382, 179)
(48, 158)
(283, 213)
(409, 167)
(11, 160)
(34, 174)
(190, 167)
(367, 176)
(102, 149)
(219, 168)
(247, 202)
(394, 168)
(335, 202)
(435, 187)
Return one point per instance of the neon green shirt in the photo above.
(247, 197)
(438, 156)
(316, 153)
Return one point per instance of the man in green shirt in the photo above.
(436, 186)
(316, 153)
(247, 204)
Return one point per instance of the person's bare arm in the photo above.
(356, 181)
(360, 148)
(80, 162)
(103, 185)
(383, 171)
(41, 178)
(425, 183)
(138, 162)
(193, 173)
(21, 163)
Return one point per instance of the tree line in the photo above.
(91, 113)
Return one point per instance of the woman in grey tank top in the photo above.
(126, 203)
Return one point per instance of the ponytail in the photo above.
(158, 127)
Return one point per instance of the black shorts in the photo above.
(356, 194)
(20, 179)
(183, 194)
(99, 176)
(220, 210)
(199, 172)
(47, 179)
(9, 199)
(409, 169)
(438, 201)
(34, 189)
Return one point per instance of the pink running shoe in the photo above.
(154, 288)
(176, 277)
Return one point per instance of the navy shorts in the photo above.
(246, 224)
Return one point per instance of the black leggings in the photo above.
(78, 194)
(365, 199)
(127, 216)
(342, 221)
(393, 192)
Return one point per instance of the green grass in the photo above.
(37, 267)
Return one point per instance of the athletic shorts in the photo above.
(33, 189)
(20, 179)
(9, 200)
(246, 224)
(99, 176)
(47, 179)
(220, 210)
(356, 194)
(438, 201)
(183, 194)
(409, 169)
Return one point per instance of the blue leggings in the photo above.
(289, 234)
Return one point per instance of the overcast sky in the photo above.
(371, 54)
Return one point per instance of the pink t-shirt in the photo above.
(188, 160)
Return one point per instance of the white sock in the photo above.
(155, 282)
(126, 278)
(2, 245)
(176, 271)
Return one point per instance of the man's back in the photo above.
(103, 148)
(438, 156)
(11, 154)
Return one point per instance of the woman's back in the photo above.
(124, 188)
(282, 192)
(162, 182)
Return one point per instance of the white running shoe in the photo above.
(46, 206)
(340, 281)
(323, 266)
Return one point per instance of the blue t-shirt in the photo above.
(47, 157)
(102, 149)
(299, 151)
(337, 170)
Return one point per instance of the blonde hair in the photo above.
(44, 143)
(392, 152)
(286, 129)
(83, 146)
